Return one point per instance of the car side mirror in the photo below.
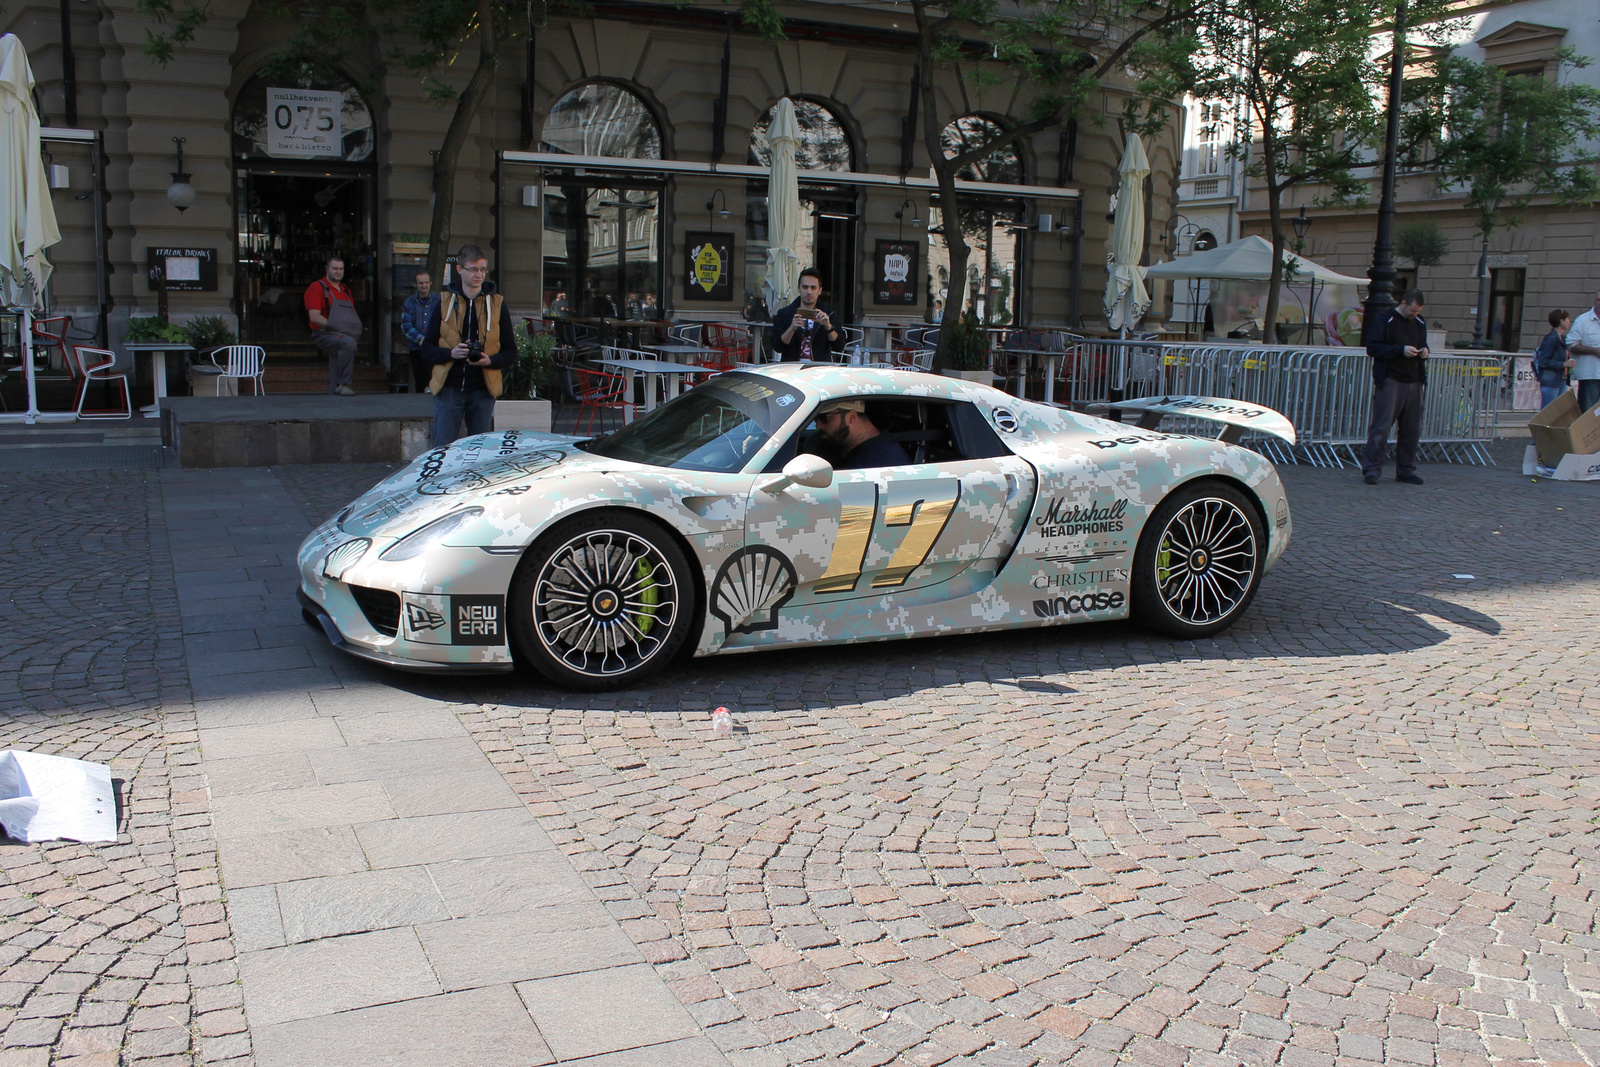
(814, 472)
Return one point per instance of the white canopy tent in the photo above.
(1248, 259)
(783, 209)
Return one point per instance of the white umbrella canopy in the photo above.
(1126, 298)
(1248, 259)
(27, 217)
(783, 209)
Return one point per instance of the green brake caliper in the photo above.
(651, 595)
(1163, 562)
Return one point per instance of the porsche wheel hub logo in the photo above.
(1198, 560)
(605, 603)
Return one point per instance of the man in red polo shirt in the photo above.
(335, 326)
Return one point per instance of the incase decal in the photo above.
(1077, 604)
(477, 620)
(1062, 520)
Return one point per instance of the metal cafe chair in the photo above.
(244, 361)
(95, 365)
(598, 390)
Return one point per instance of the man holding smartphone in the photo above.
(804, 330)
(469, 342)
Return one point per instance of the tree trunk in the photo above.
(444, 164)
(1269, 314)
(955, 240)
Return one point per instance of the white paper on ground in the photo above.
(43, 798)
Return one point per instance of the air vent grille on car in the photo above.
(381, 607)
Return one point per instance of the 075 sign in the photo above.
(305, 123)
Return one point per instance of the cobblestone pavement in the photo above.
(108, 953)
(1356, 829)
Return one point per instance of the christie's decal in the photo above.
(1077, 579)
(1063, 519)
(1077, 604)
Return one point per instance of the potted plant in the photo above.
(151, 329)
(519, 406)
(968, 351)
(207, 333)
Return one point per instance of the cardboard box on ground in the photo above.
(1561, 430)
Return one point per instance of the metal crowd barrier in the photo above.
(1325, 392)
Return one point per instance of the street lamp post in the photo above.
(1380, 294)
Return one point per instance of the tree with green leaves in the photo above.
(1061, 50)
(1506, 139)
(1303, 71)
(425, 37)
(1423, 243)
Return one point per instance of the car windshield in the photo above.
(718, 426)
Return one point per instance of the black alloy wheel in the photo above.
(602, 601)
(1199, 561)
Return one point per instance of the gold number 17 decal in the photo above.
(923, 505)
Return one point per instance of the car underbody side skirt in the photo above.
(316, 616)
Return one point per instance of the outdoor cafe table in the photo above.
(1051, 361)
(650, 368)
(158, 367)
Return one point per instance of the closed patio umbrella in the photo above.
(783, 209)
(27, 217)
(1126, 297)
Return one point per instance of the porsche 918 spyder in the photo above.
(717, 524)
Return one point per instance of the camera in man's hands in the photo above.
(474, 349)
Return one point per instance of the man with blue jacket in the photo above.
(1399, 354)
(414, 325)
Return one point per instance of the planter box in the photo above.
(208, 381)
(522, 415)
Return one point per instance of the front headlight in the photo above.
(415, 544)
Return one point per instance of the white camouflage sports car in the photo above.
(710, 526)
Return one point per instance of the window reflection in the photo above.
(1002, 166)
(992, 229)
(602, 120)
(603, 252)
(823, 144)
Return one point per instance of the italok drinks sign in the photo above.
(305, 123)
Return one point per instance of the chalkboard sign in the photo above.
(182, 270)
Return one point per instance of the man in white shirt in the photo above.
(1583, 340)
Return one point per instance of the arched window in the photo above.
(1002, 166)
(823, 142)
(309, 119)
(602, 119)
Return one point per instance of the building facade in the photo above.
(594, 171)
(1550, 259)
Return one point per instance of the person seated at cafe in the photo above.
(850, 434)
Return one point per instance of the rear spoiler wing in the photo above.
(1237, 416)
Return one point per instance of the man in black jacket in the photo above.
(803, 330)
(1399, 374)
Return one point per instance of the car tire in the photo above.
(1199, 561)
(602, 601)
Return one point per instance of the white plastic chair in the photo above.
(244, 361)
(100, 370)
